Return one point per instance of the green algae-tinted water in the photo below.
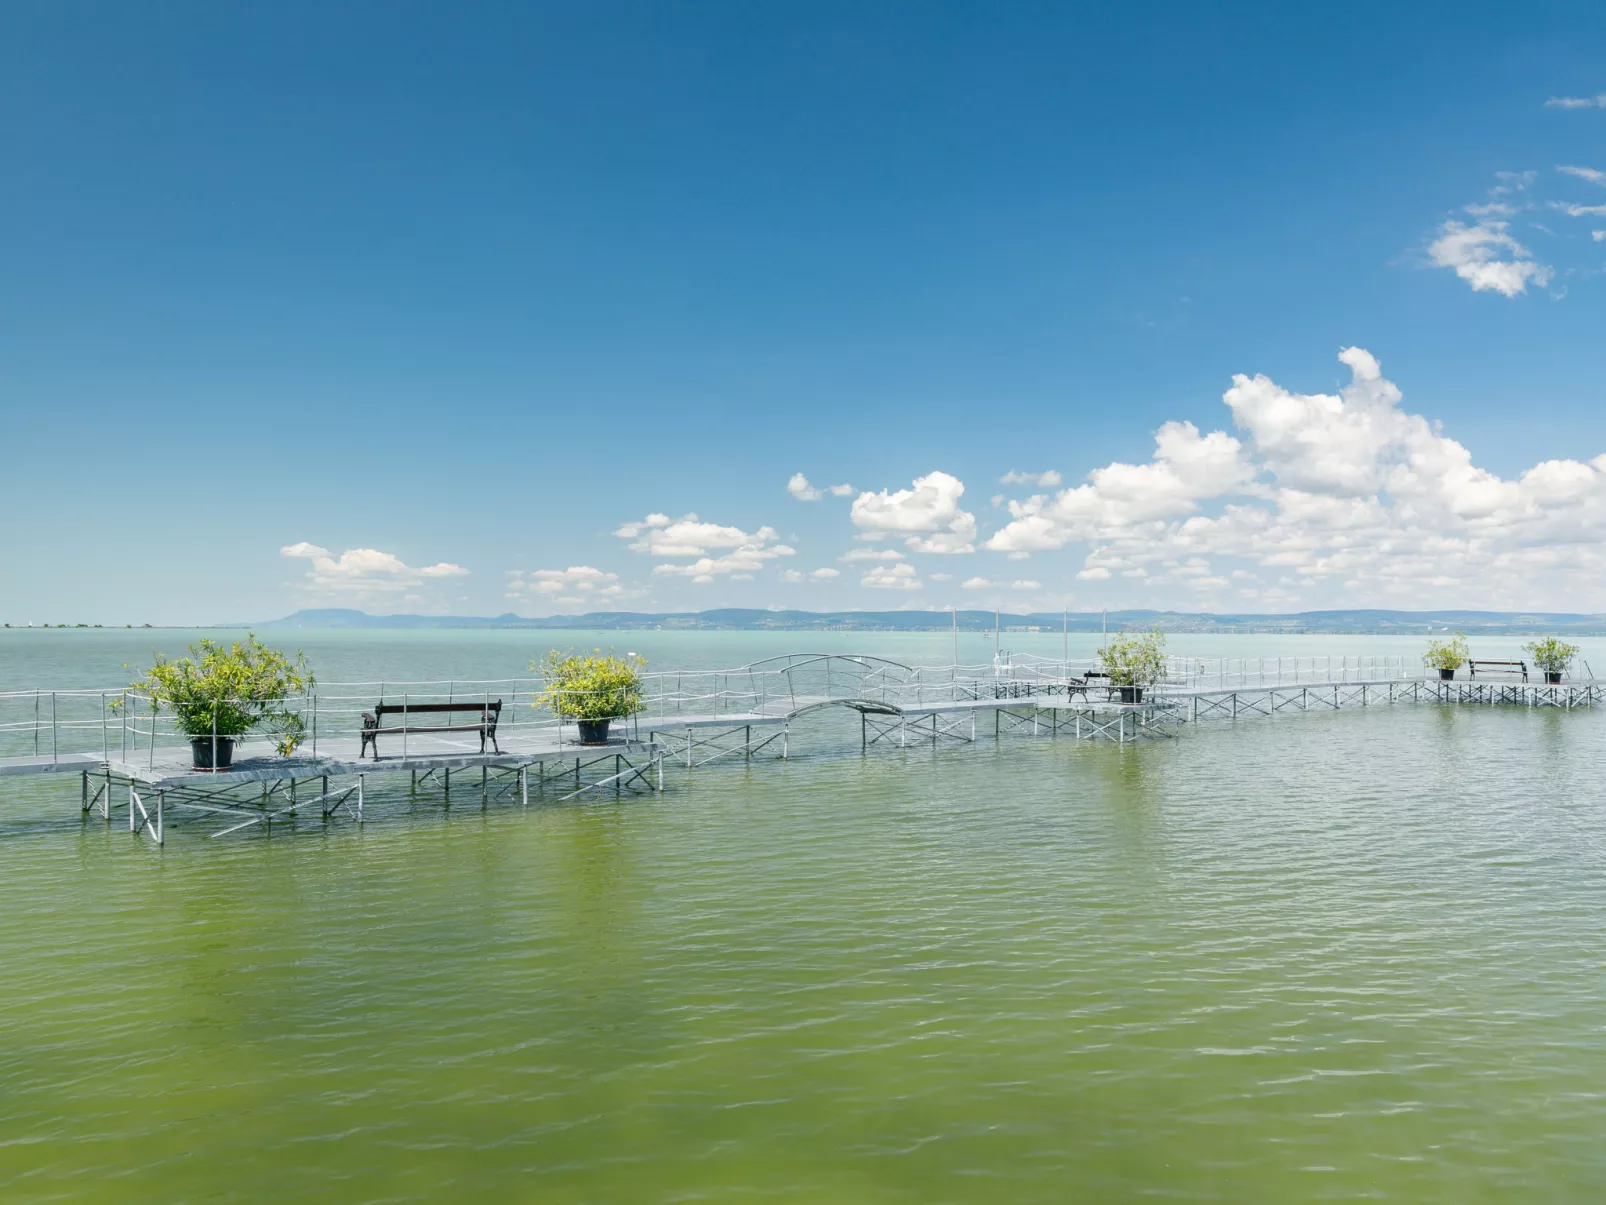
(1307, 958)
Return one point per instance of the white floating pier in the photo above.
(131, 758)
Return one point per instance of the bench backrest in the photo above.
(1511, 667)
(385, 709)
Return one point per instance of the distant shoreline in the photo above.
(1336, 622)
(1316, 623)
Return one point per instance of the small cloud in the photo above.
(977, 583)
(1592, 174)
(941, 577)
(1598, 101)
(791, 575)
(575, 586)
(1488, 258)
(1096, 574)
(891, 577)
(871, 554)
(800, 489)
(825, 575)
(1015, 477)
(1598, 235)
(1025, 584)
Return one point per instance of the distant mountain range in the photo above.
(736, 619)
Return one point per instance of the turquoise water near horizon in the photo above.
(1314, 957)
(109, 657)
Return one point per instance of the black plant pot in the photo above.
(593, 732)
(1130, 694)
(1552, 677)
(201, 749)
(1447, 674)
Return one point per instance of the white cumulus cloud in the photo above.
(1598, 101)
(578, 585)
(740, 554)
(365, 573)
(1488, 257)
(1336, 499)
(1186, 468)
(928, 515)
(800, 489)
(1044, 480)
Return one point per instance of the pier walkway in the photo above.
(129, 758)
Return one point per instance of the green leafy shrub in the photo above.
(1449, 654)
(1551, 655)
(594, 687)
(1134, 660)
(229, 691)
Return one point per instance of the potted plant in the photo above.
(1552, 656)
(218, 694)
(591, 690)
(1134, 662)
(1447, 656)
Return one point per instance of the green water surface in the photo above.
(1315, 957)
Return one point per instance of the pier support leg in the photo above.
(618, 787)
(446, 780)
(747, 743)
(660, 773)
(484, 776)
(524, 786)
(83, 792)
(360, 778)
(786, 741)
(161, 817)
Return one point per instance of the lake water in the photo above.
(1314, 957)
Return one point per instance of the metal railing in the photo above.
(123, 725)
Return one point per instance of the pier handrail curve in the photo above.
(798, 659)
(862, 706)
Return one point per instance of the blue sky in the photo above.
(466, 308)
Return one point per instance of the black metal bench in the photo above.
(1499, 667)
(373, 722)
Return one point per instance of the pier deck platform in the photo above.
(722, 714)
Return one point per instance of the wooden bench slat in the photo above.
(372, 727)
(423, 708)
(431, 728)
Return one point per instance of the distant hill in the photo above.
(737, 619)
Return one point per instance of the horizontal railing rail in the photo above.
(125, 725)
